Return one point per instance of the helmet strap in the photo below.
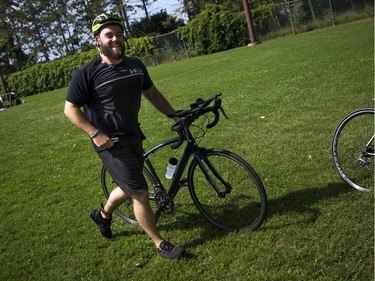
(99, 49)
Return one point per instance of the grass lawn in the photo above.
(284, 98)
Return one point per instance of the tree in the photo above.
(81, 16)
(35, 27)
(12, 56)
(159, 23)
(214, 29)
(122, 8)
(190, 8)
(143, 5)
(61, 25)
(194, 7)
(3, 83)
(42, 30)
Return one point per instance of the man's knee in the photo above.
(142, 197)
(118, 195)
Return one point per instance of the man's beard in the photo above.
(113, 54)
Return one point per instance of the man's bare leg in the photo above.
(145, 216)
(116, 198)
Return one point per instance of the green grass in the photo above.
(284, 99)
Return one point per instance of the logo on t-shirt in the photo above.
(135, 71)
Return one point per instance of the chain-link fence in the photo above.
(295, 16)
(292, 14)
(169, 48)
(286, 18)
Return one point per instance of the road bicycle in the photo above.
(353, 149)
(226, 190)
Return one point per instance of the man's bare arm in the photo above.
(74, 113)
(158, 100)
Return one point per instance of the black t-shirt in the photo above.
(111, 95)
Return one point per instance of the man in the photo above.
(109, 89)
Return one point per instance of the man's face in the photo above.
(111, 42)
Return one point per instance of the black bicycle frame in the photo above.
(190, 149)
(369, 150)
(174, 187)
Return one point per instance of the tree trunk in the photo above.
(122, 9)
(39, 39)
(3, 83)
(42, 43)
(190, 8)
(145, 8)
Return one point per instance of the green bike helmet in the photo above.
(103, 20)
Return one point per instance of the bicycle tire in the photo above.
(349, 139)
(244, 208)
(125, 210)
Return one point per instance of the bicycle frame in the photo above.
(193, 149)
(366, 152)
(175, 184)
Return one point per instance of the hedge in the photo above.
(48, 76)
(214, 30)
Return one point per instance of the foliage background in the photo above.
(44, 77)
(213, 30)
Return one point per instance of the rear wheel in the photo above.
(125, 210)
(240, 201)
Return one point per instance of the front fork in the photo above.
(201, 159)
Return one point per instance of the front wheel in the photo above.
(227, 190)
(353, 149)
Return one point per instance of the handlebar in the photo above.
(187, 117)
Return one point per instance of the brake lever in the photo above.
(178, 128)
(197, 103)
(216, 119)
(222, 111)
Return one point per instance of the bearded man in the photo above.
(103, 100)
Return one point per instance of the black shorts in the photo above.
(124, 162)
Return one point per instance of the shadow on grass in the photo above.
(302, 202)
(202, 230)
(182, 220)
(296, 202)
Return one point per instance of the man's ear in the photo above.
(97, 40)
